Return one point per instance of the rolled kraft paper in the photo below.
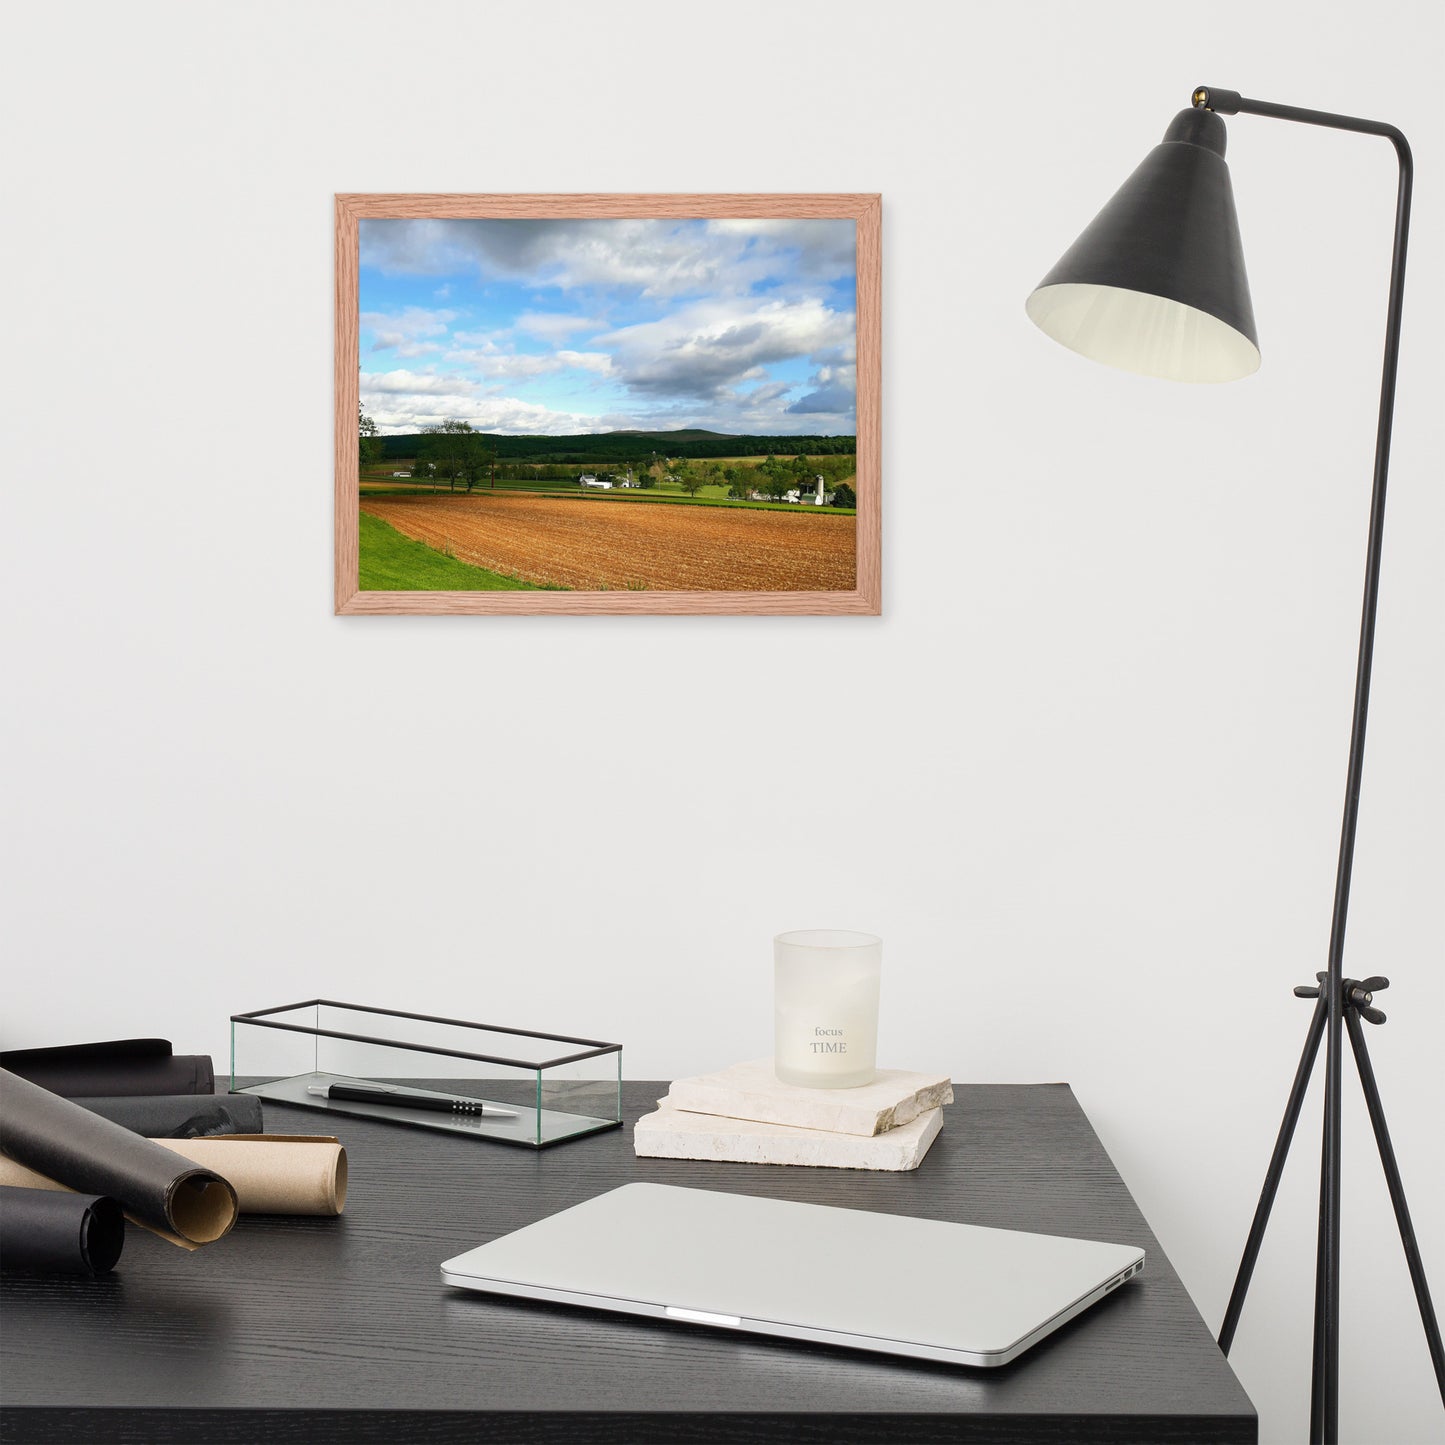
(49, 1233)
(271, 1173)
(275, 1173)
(79, 1150)
(117, 1066)
(181, 1116)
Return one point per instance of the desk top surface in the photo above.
(320, 1329)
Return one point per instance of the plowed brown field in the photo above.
(594, 544)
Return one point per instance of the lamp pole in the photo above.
(1342, 1004)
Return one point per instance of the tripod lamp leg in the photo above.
(1272, 1176)
(1397, 1196)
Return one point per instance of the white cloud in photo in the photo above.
(702, 350)
(398, 411)
(415, 383)
(412, 331)
(834, 392)
(555, 325)
(822, 249)
(492, 362)
(598, 361)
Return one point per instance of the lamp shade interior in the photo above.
(1148, 335)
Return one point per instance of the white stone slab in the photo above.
(753, 1091)
(673, 1133)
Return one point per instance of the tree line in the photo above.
(615, 448)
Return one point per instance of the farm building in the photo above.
(588, 480)
(401, 474)
(817, 498)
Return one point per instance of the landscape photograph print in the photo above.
(607, 404)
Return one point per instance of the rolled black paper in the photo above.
(181, 1116)
(63, 1142)
(117, 1066)
(47, 1232)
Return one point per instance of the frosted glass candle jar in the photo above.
(825, 994)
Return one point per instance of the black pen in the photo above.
(409, 1099)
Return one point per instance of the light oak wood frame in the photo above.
(865, 210)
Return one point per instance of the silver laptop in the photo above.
(918, 1287)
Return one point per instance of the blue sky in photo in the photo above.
(559, 326)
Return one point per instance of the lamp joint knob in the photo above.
(1210, 97)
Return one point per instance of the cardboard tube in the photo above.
(271, 1173)
(274, 1173)
(68, 1147)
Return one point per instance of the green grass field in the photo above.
(376, 480)
(393, 563)
(707, 497)
(715, 497)
(390, 488)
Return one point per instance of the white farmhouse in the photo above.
(588, 480)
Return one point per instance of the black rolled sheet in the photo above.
(45, 1232)
(58, 1141)
(181, 1116)
(116, 1066)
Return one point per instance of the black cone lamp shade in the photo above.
(1156, 284)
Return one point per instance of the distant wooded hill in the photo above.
(636, 446)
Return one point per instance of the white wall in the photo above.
(1084, 775)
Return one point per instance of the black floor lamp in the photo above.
(1156, 285)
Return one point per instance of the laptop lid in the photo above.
(924, 1288)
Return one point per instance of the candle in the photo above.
(825, 994)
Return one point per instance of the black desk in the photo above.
(309, 1330)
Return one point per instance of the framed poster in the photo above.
(608, 404)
